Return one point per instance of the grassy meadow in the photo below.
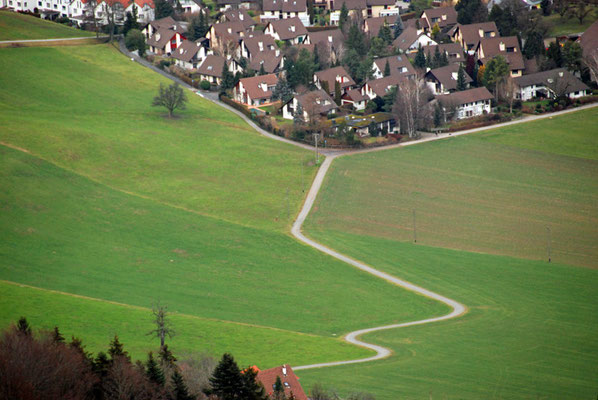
(97, 120)
(15, 26)
(492, 192)
(531, 331)
(103, 197)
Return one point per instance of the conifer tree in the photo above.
(444, 59)
(153, 371)
(343, 17)
(278, 390)
(57, 336)
(262, 69)
(398, 27)
(461, 84)
(386, 69)
(228, 79)
(23, 327)
(385, 34)
(166, 357)
(117, 349)
(180, 390)
(437, 58)
(420, 59)
(226, 381)
(337, 93)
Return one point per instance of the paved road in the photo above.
(50, 40)
(457, 309)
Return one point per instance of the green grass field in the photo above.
(532, 327)
(96, 205)
(97, 120)
(493, 192)
(569, 25)
(531, 331)
(14, 26)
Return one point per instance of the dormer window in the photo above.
(209, 67)
(444, 17)
(501, 46)
(286, 385)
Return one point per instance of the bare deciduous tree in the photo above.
(171, 97)
(163, 327)
(412, 106)
(591, 61)
(510, 90)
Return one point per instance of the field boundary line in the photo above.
(141, 308)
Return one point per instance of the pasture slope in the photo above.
(14, 26)
(532, 327)
(105, 198)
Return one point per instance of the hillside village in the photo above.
(357, 69)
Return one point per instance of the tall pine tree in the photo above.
(117, 349)
(461, 84)
(153, 371)
(226, 381)
(179, 388)
(420, 59)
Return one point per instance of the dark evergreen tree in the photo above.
(228, 79)
(337, 93)
(282, 91)
(471, 11)
(534, 45)
(179, 388)
(227, 381)
(437, 61)
(131, 21)
(163, 9)
(546, 6)
(153, 371)
(385, 34)
(398, 27)
(387, 69)
(262, 70)
(298, 116)
(117, 349)
(429, 61)
(555, 54)
(343, 17)
(57, 336)
(101, 364)
(311, 11)
(302, 70)
(23, 327)
(278, 393)
(572, 56)
(317, 65)
(166, 357)
(420, 59)
(198, 28)
(356, 40)
(438, 115)
(444, 59)
(461, 84)
(253, 390)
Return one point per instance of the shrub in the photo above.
(205, 85)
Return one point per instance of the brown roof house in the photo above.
(190, 54)
(211, 69)
(551, 84)
(283, 9)
(372, 26)
(468, 36)
(260, 49)
(329, 77)
(224, 5)
(453, 51)
(355, 98)
(329, 42)
(225, 36)
(589, 44)
(289, 380)
(399, 65)
(410, 40)
(508, 47)
(314, 104)
(355, 8)
(164, 41)
(166, 23)
(444, 17)
(255, 91)
(290, 30)
(468, 103)
(380, 87)
(241, 16)
(381, 8)
(444, 80)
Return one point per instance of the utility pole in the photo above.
(549, 242)
(316, 136)
(414, 228)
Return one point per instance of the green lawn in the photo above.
(569, 25)
(104, 197)
(531, 331)
(14, 26)
(97, 321)
(532, 327)
(97, 121)
(493, 192)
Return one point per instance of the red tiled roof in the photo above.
(329, 75)
(288, 378)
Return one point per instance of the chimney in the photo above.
(444, 17)
(329, 39)
(277, 52)
(481, 33)
(261, 45)
(241, 16)
(501, 46)
(284, 370)
(264, 86)
(561, 74)
(230, 30)
(455, 76)
(292, 28)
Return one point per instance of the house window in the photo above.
(39, 3)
